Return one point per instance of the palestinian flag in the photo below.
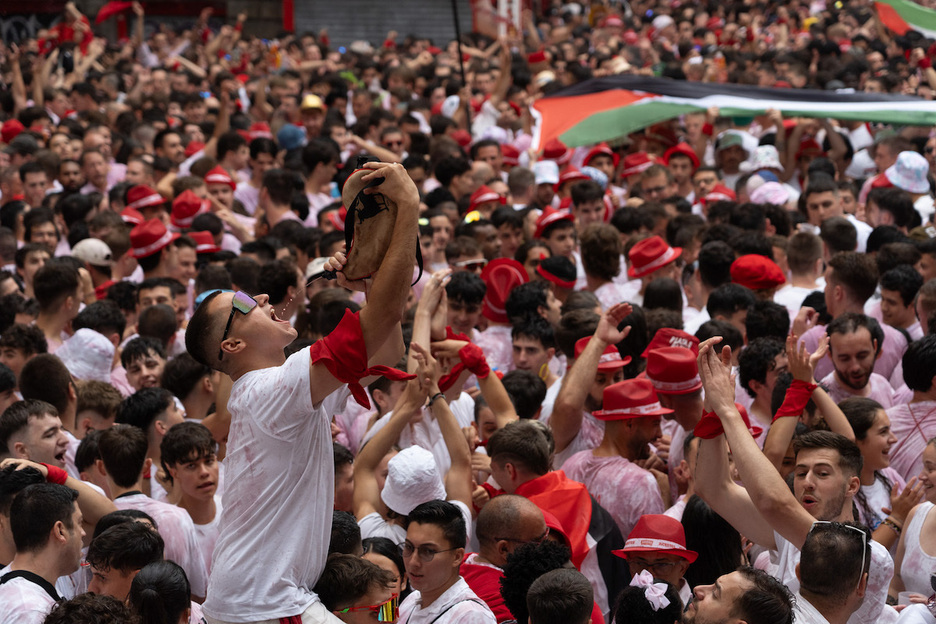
(605, 109)
(902, 16)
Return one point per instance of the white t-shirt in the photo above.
(276, 520)
(208, 534)
(806, 613)
(26, 600)
(458, 604)
(178, 533)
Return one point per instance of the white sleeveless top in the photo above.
(917, 565)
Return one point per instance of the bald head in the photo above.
(506, 522)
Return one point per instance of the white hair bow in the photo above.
(655, 593)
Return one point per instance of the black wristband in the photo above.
(437, 395)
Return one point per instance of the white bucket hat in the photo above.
(87, 355)
(412, 479)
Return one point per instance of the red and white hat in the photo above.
(219, 176)
(682, 149)
(610, 359)
(656, 533)
(631, 398)
(649, 255)
(671, 337)
(132, 216)
(550, 216)
(510, 154)
(150, 237)
(142, 196)
(673, 370)
(186, 207)
(636, 163)
(204, 242)
(260, 130)
(482, 196)
(602, 149)
(571, 174)
(719, 193)
(500, 276)
(557, 151)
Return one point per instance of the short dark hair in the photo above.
(201, 335)
(896, 201)
(524, 443)
(449, 167)
(830, 555)
(756, 360)
(14, 481)
(466, 287)
(728, 299)
(715, 258)
(565, 596)
(839, 234)
(347, 578)
(142, 407)
(601, 250)
(181, 374)
(345, 534)
(767, 319)
(444, 515)
(524, 300)
(125, 547)
(119, 517)
(280, 184)
(53, 283)
(856, 273)
(28, 338)
(526, 564)
(768, 602)
(123, 451)
(277, 277)
(230, 141)
(87, 452)
(850, 460)
(34, 512)
(526, 391)
(140, 347)
(16, 417)
(102, 316)
(803, 249)
(905, 280)
(157, 322)
(919, 362)
(537, 328)
(184, 442)
(46, 377)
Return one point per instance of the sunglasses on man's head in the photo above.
(242, 303)
(387, 611)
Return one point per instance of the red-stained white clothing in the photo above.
(610, 294)
(248, 196)
(178, 533)
(913, 424)
(917, 565)
(878, 388)
(497, 345)
(26, 600)
(275, 528)
(625, 489)
(207, 534)
(458, 604)
(588, 437)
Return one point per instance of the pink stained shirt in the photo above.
(497, 345)
(913, 424)
(878, 388)
(626, 490)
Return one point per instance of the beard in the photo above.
(832, 508)
(851, 383)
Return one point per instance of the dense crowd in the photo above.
(303, 333)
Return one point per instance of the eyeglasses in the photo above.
(470, 265)
(864, 541)
(658, 568)
(426, 554)
(539, 540)
(242, 303)
(387, 611)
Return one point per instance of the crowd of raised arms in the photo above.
(623, 382)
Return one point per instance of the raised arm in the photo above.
(366, 492)
(765, 487)
(566, 418)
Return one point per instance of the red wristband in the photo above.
(797, 396)
(924, 63)
(56, 474)
(473, 358)
(708, 427)
(708, 129)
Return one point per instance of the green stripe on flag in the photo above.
(617, 123)
(918, 17)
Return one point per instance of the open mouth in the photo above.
(809, 501)
(60, 458)
(276, 318)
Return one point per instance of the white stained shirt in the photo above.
(207, 534)
(178, 532)
(497, 345)
(276, 520)
(916, 614)
(878, 388)
(458, 604)
(873, 610)
(26, 600)
(913, 424)
(806, 613)
(917, 564)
